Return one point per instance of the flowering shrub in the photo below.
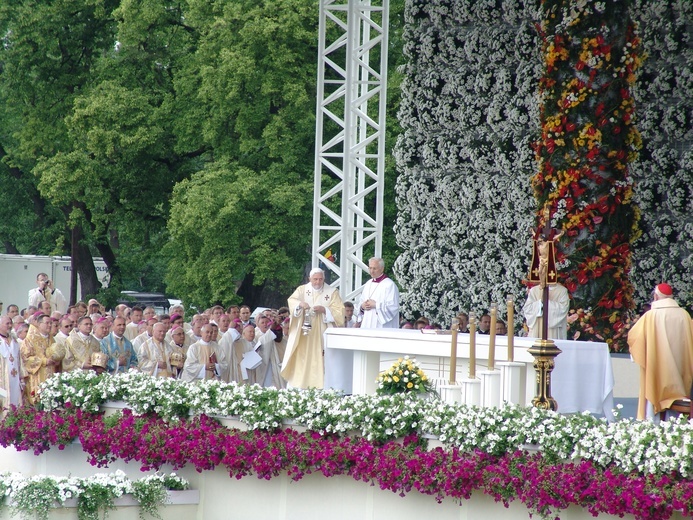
(546, 482)
(403, 376)
(33, 497)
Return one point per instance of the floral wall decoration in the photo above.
(663, 172)
(478, 142)
(588, 141)
(469, 116)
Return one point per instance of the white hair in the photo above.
(315, 270)
(381, 262)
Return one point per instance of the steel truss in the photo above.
(350, 140)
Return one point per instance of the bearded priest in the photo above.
(314, 307)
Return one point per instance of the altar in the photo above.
(582, 379)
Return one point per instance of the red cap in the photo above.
(665, 289)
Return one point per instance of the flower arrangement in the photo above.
(587, 144)
(33, 497)
(404, 376)
(639, 468)
(378, 418)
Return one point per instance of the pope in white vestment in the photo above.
(314, 307)
(559, 304)
(379, 303)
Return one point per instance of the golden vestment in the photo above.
(35, 352)
(661, 342)
(303, 365)
(151, 353)
(78, 351)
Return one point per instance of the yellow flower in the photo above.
(410, 385)
(395, 379)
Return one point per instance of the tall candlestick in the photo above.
(492, 338)
(472, 345)
(454, 328)
(511, 328)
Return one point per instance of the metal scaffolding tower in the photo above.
(350, 140)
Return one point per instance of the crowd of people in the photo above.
(278, 348)
(48, 337)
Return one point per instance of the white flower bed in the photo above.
(34, 496)
(630, 445)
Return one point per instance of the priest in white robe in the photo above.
(241, 347)
(314, 307)
(10, 367)
(205, 359)
(379, 303)
(155, 354)
(559, 304)
(271, 349)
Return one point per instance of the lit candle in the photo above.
(511, 328)
(492, 338)
(453, 350)
(472, 345)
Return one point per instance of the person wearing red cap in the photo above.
(661, 342)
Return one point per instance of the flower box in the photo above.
(232, 422)
(291, 424)
(175, 498)
(110, 408)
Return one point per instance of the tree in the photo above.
(94, 133)
(243, 221)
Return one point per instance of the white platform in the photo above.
(315, 497)
(582, 380)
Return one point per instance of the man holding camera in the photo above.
(46, 292)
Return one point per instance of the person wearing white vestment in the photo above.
(661, 343)
(205, 360)
(79, 347)
(272, 352)
(145, 336)
(241, 345)
(64, 329)
(559, 304)
(132, 328)
(11, 387)
(314, 307)
(226, 347)
(155, 354)
(46, 292)
(379, 303)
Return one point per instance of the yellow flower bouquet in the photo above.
(402, 377)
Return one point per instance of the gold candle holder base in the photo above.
(544, 352)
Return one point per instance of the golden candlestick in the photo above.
(472, 346)
(511, 328)
(492, 338)
(454, 328)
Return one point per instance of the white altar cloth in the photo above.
(582, 379)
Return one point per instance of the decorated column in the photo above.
(588, 140)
